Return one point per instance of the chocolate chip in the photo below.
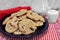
(18, 16)
(32, 29)
(10, 24)
(10, 17)
(23, 26)
(31, 13)
(31, 19)
(16, 21)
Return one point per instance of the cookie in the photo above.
(17, 32)
(21, 12)
(26, 24)
(39, 23)
(41, 19)
(28, 31)
(11, 25)
(10, 28)
(23, 24)
(35, 16)
(13, 15)
(6, 20)
(23, 17)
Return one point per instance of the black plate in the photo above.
(37, 32)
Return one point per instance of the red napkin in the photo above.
(9, 11)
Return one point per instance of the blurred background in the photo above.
(5, 4)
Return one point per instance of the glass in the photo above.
(42, 6)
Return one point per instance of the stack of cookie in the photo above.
(23, 22)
